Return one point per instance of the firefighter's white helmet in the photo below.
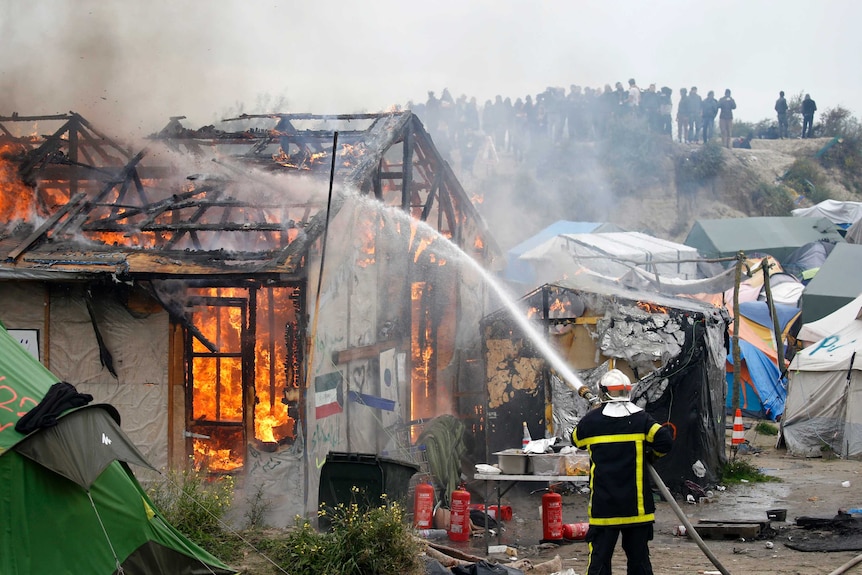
(615, 386)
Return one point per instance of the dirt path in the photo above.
(808, 488)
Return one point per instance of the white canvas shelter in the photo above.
(823, 410)
(613, 255)
(817, 330)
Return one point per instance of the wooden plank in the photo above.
(727, 530)
(364, 352)
(49, 223)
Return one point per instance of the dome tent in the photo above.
(70, 502)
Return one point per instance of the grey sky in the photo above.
(132, 64)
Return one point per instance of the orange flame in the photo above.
(218, 406)
(17, 199)
(651, 307)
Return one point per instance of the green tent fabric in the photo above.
(837, 283)
(51, 524)
(776, 236)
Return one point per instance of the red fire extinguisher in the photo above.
(576, 530)
(423, 506)
(552, 516)
(459, 515)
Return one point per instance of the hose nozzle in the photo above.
(587, 394)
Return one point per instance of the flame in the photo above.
(478, 244)
(17, 199)
(367, 244)
(558, 306)
(422, 353)
(651, 307)
(423, 243)
(218, 407)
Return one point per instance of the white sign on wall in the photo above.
(29, 338)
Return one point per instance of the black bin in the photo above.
(369, 473)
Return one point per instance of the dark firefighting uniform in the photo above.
(621, 439)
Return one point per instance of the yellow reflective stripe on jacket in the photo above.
(646, 518)
(612, 439)
(650, 436)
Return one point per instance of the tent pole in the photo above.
(779, 341)
(737, 386)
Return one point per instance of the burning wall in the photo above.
(228, 260)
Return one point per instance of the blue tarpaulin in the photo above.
(763, 390)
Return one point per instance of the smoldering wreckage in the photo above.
(244, 321)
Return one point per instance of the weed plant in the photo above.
(766, 428)
(741, 471)
(361, 541)
(195, 503)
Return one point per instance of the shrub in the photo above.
(631, 153)
(772, 200)
(806, 178)
(696, 168)
(361, 541)
(195, 503)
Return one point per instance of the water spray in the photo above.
(549, 353)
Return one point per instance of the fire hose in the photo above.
(587, 394)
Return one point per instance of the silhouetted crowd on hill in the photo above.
(581, 114)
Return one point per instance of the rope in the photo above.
(105, 531)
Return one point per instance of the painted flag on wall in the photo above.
(328, 394)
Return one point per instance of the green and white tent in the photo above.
(69, 502)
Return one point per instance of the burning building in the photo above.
(250, 298)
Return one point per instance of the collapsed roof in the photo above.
(211, 201)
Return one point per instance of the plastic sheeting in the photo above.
(611, 254)
(837, 212)
(139, 346)
(280, 478)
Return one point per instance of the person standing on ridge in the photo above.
(695, 103)
(622, 439)
(708, 111)
(683, 117)
(808, 109)
(633, 100)
(781, 110)
(725, 119)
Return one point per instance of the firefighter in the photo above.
(621, 438)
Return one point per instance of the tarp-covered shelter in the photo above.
(776, 236)
(805, 261)
(612, 254)
(763, 388)
(674, 347)
(252, 295)
(823, 411)
(70, 502)
(840, 213)
(837, 283)
(521, 271)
